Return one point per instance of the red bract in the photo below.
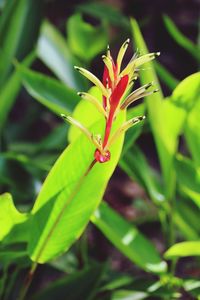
(114, 100)
(114, 86)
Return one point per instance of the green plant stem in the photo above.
(163, 221)
(171, 224)
(83, 250)
(10, 284)
(172, 237)
(3, 279)
(27, 282)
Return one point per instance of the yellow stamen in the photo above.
(123, 129)
(132, 99)
(136, 93)
(94, 101)
(121, 53)
(108, 52)
(83, 129)
(93, 79)
(134, 63)
(145, 58)
(108, 62)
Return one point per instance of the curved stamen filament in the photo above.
(121, 53)
(123, 129)
(108, 62)
(134, 63)
(133, 96)
(145, 58)
(93, 79)
(84, 130)
(94, 101)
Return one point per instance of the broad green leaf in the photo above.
(69, 197)
(192, 286)
(104, 12)
(51, 44)
(85, 40)
(192, 132)
(10, 90)
(10, 216)
(2, 3)
(136, 166)
(188, 177)
(187, 96)
(186, 218)
(128, 239)
(67, 263)
(166, 77)
(180, 39)
(9, 257)
(143, 286)
(117, 280)
(19, 25)
(187, 93)
(165, 119)
(191, 248)
(55, 141)
(48, 91)
(80, 285)
(129, 295)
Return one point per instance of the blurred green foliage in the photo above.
(173, 189)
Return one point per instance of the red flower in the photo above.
(114, 86)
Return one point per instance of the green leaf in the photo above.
(187, 93)
(10, 217)
(187, 96)
(191, 248)
(166, 77)
(80, 285)
(48, 91)
(10, 90)
(85, 40)
(105, 12)
(165, 119)
(136, 166)
(129, 295)
(69, 197)
(8, 257)
(52, 44)
(186, 218)
(19, 26)
(128, 239)
(192, 286)
(188, 177)
(192, 133)
(180, 39)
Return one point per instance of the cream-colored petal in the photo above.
(93, 79)
(121, 54)
(94, 101)
(123, 129)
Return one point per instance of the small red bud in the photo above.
(101, 158)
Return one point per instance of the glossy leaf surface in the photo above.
(68, 197)
(128, 239)
(48, 91)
